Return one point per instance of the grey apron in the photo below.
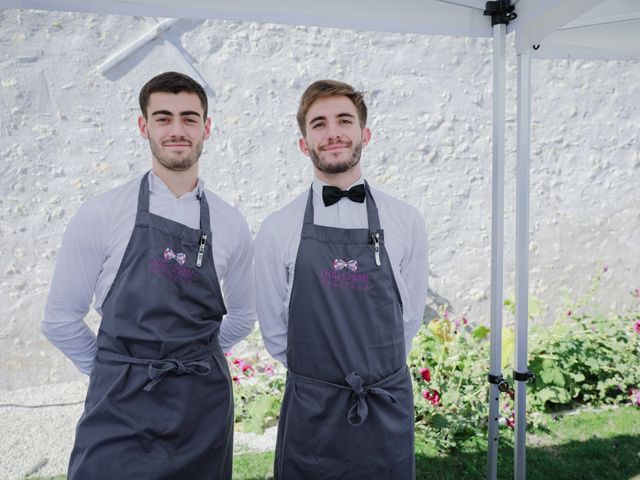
(347, 411)
(159, 403)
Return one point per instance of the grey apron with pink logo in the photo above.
(159, 404)
(347, 411)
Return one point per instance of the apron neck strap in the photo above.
(143, 203)
(372, 209)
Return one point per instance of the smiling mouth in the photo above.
(179, 145)
(340, 146)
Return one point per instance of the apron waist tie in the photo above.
(359, 409)
(158, 369)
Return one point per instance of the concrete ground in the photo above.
(38, 426)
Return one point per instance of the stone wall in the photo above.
(68, 132)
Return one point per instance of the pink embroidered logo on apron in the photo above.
(170, 265)
(343, 275)
(178, 257)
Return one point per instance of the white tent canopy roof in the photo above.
(606, 29)
(436, 17)
(596, 29)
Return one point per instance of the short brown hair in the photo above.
(172, 82)
(330, 88)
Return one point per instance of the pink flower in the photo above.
(228, 354)
(636, 327)
(269, 370)
(636, 293)
(432, 396)
(605, 268)
(425, 373)
(569, 313)
(247, 370)
(634, 395)
(460, 322)
(511, 421)
(236, 379)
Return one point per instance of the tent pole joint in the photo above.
(501, 12)
(503, 385)
(527, 376)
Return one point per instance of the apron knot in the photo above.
(359, 410)
(161, 368)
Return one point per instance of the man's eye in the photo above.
(190, 120)
(317, 125)
(162, 120)
(346, 121)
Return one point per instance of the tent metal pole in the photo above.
(521, 373)
(497, 242)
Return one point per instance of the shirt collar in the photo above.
(157, 186)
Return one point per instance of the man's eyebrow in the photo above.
(340, 115)
(186, 113)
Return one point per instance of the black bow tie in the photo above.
(331, 195)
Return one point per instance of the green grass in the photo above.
(587, 446)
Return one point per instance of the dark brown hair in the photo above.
(171, 82)
(330, 88)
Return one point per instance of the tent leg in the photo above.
(522, 259)
(497, 242)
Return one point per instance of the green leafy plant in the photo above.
(258, 387)
(586, 358)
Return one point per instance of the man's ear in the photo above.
(304, 148)
(207, 128)
(366, 136)
(142, 125)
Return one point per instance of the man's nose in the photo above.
(177, 129)
(333, 131)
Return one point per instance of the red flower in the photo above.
(636, 327)
(511, 421)
(425, 373)
(433, 396)
(236, 379)
(247, 370)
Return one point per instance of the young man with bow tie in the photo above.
(341, 283)
(170, 266)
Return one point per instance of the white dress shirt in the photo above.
(276, 248)
(93, 247)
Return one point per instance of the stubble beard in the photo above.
(177, 163)
(333, 168)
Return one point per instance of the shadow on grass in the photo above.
(615, 458)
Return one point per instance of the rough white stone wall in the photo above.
(68, 132)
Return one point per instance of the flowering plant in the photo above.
(258, 384)
(449, 362)
(586, 358)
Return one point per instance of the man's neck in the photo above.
(340, 180)
(178, 182)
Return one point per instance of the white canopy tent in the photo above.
(608, 29)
